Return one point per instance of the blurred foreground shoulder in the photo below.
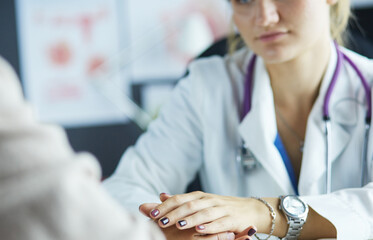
(47, 190)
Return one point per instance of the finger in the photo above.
(174, 202)
(218, 236)
(146, 208)
(174, 233)
(223, 224)
(244, 238)
(250, 231)
(204, 210)
(164, 196)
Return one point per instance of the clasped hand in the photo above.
(204, 215)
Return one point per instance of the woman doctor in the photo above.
(276, 99)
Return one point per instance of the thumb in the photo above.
(244, 238)
(247, 233)
(146, 208)
(218, 236)
(226, 236)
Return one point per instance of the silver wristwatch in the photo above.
(296, 212)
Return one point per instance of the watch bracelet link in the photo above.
(295, 227)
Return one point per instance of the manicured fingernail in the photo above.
(251, 232)
(201, 227)
(165, 221)
(155, 212)
(182, 223)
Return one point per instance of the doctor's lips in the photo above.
(271, 36)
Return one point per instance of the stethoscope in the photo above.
(247, 160)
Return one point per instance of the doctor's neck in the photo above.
(297, 81)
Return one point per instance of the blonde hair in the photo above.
(340, 14)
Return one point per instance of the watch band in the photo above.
(295, 227)
(294, 220)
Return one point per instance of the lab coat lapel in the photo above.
(259, 130)
(370, 147)
(312, 178)
(313, 171)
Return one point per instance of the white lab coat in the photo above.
(200, 130)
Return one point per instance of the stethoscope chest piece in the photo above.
(245, 158)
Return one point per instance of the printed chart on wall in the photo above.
(65, 45)
(62, 43)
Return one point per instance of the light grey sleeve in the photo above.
(46, 190)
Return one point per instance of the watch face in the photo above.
(294, 206)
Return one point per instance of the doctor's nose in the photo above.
(266, 13)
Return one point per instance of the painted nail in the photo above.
(165, 221)
(201, 227)
(182, 223)
(166, 194)
(251, 232)
(155, 212)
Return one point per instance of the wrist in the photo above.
(265, 215)
(325, 229)
(281, 225)
(264, 219)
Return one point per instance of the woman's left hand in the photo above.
(209, 213)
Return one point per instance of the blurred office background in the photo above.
(83, 63)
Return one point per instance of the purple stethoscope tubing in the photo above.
(326, 117)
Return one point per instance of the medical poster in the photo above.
(167, 34)
(62, 44)
(65, 46)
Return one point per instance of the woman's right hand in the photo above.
(173, 233)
